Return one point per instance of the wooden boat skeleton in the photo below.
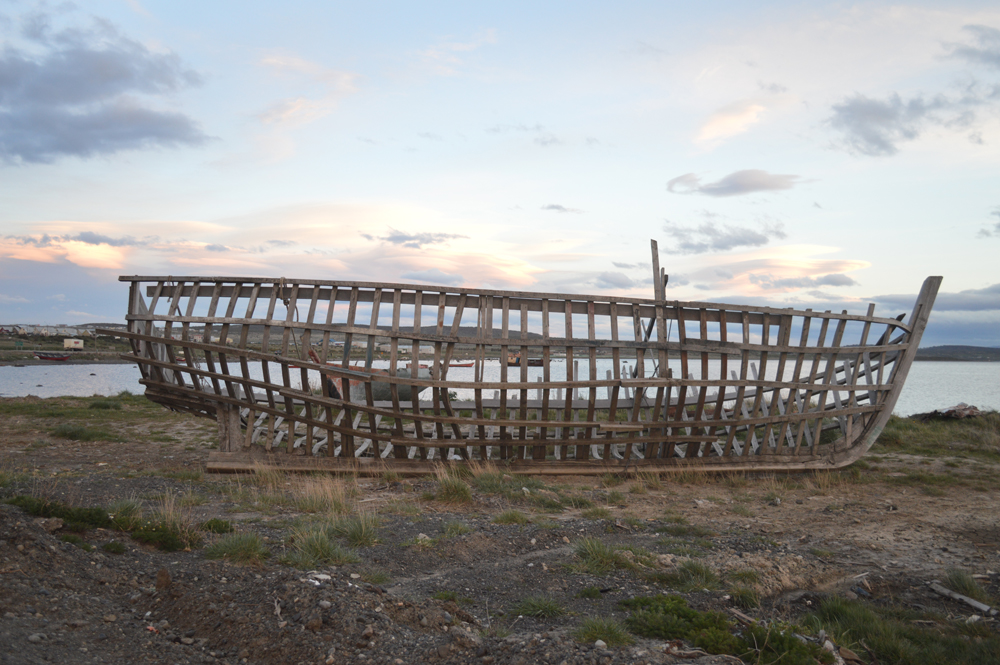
(664, 385)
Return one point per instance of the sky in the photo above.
(795, 154)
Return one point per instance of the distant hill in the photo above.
(966, 353)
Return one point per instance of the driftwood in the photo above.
(625, 384)
(974, 604)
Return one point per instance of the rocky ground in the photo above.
(445, 582)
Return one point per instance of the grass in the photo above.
(821, 552)
(744, 576)
(75, 432)
(170, 529)
(590, 592)
(216, 525)
(542, 607)
(972, 437)
(321, 494)
(893, 637)
(375, 576)
(313, 546)
(965, 584)
(690, 576)
(451, 489)
(451, 596)
(244, 548)
(359, 530)
(670, 618)
(114, 547)
(74, 518)
(742, 511)
(616, 498)
(685, 530)
(610, 631)
(611, 480)
(596, 513)
(745, 597)
(511, 517)
(454, 529)
(597, 557)
(401, 507)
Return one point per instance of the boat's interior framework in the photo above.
(651, 384)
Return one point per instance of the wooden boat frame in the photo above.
(761, 399)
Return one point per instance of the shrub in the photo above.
(453, 490)
(691, 576)
(453, 529)
(114, 547)
(76, 540)
(597, 513)
(590, 592)
(313, 546)
(126, 514)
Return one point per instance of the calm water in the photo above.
(930, 385)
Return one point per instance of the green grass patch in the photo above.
(610, 631)
(451, 596)
(542, 607)
(75, 432)
(590, 592)
(454, 529)
(596, 513)
(670, 618)
(375, 576)
(974, 437)
(685, 530)
(453, 490)
(314, 546)
(359, 530)
(215, 525)
(745, 597)
(577, 502)
(821, 552)
(74, 519)
(965, 584)
(114, 547)
(597, 557)
(892, 635)
(611, 480)
(511, 517)
(244, 548)
(616, 498)
(105, 404)
(127, 514)
(690, 576)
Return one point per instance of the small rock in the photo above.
(51, 525)
(314, 624)
(163, 580)
(447, 617)
(37, 637)
(526, 491)
(325, 604)
(355, 576)
(600, 644)
(368, 632)
(850, 595)
(187, 640)
(423, 536)
(776, 501)
(110, 618)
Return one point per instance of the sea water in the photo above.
(929, 386)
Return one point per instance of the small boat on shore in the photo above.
(626, 383)
(45, 355)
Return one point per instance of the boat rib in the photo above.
(316, 374)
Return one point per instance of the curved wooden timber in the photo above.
(624, 383)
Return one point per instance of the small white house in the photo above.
(76, 344)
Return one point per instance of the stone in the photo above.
(110, 618)
(600, 644)
(51, 524)
(325, 604)
(163, 579)
(37, 637)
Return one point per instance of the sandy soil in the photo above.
(880, 535)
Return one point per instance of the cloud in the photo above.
(216, 248)
(434, 276)
(768, 281)
(555, 207)
(333, 85)
(86, 237)
(11, 300)
(614, 280)
(503, 129)
(710, 237)
(736, 183)
(971, 300)
(79, 92)
(986, 50)
(547, 140)
(418, 240)
(444, 58)
(875, 127)
(632, 266)
(729, 121)
(995, 230)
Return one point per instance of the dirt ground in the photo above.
(879, 532)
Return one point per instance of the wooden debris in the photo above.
(948, 593)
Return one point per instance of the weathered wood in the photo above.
(300, 395)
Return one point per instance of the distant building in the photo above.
(76, 344)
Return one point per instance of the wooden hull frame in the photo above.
(776, 389)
